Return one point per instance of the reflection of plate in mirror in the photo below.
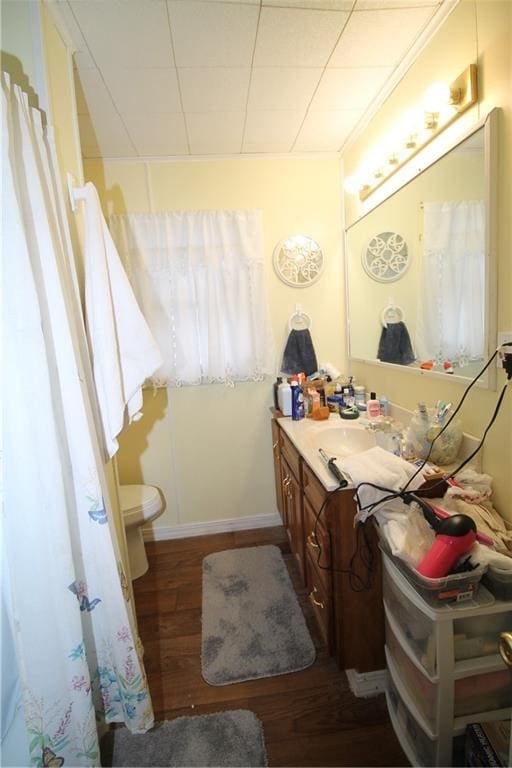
(386, 257)
(298, 261)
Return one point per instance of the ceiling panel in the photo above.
(375, 5)
(379, 38)
(326, 131)
(316, 5)
(215, 132)
(143, 90)
(104, 135)
(207, 34)
(172, 77)
(275, 127)
(282, 87)
(157, 135)
(125, 33)
(293, 37)
(214, 89)
(349, 88)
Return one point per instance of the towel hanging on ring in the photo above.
(299, 353)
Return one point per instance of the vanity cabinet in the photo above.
(332, 558)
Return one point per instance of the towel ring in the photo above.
(391, 314)
(299, 320)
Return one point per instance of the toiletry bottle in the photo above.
(297, 400)
(384, 405)
(277, 382)
(284, 398)
(373, 406)
(359, 396)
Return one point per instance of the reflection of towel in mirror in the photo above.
(395, 345)
(299, 354)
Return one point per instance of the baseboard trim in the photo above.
(366, 684)
(184, 530)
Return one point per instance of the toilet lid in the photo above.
(139, 502)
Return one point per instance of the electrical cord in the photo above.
(403, 492)
(364, 550)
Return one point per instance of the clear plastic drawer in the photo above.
(421, 748)
(417, 628)
(478, 636)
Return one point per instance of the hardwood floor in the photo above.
(310, 718)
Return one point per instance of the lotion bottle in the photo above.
(373, 407)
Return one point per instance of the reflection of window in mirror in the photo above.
(444, 294)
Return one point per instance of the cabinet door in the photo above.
(295, 524)
(278, 475)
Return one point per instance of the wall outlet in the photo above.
(503, 337)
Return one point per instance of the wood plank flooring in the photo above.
(310, 718)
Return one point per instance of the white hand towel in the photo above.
(124, 353)
(381, 468)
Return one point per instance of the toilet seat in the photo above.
(139, 503)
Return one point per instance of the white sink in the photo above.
(342, 441)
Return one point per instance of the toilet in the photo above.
(140, 504)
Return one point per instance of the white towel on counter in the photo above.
(381, 468)
(124, 353)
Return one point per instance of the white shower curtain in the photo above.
(199, 280)
(451, 311)
(77, 657)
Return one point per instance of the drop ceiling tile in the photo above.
(214, 89)
(213, 34)
(104, 136)
(293, 37)
(125, 33)
(326, 131)
(375, 5)
(215, 132)
(379, 38)
(273, 126)
(265, 148)
(92, 96)
(82, 58)
(282, 87)
(143, 90)
(349, 88)
(157, 134)
(317, 5)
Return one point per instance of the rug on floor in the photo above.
(232, 738)
(253, 625)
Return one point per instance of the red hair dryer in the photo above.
(454, 537)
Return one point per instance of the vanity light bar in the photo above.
(463, 94)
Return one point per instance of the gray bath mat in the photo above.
(252, 622)
(226, 739)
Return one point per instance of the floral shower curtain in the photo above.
(77, 657)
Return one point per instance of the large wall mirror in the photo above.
(421, 277)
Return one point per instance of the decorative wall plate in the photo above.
(298, 261)
(386, 257)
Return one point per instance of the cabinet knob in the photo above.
(506, 648)
(312, 598)
(311, 540)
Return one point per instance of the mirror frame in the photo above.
(490, 125)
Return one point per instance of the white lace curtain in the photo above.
(451, 312)
(199, 280)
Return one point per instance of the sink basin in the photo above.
(342, 441)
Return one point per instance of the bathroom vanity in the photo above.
(351, 622)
